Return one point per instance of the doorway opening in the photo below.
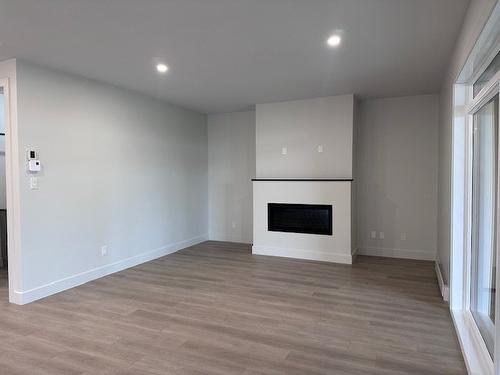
(4, 261)
(10, 269)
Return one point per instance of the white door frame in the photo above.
(12, 169)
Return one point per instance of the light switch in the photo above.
(320, 148)
(284, 151)
(403, 236)
(373, 234)
(34, 183)
(381, 235)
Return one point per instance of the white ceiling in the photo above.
(226, 55)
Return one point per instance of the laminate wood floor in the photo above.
(215, 308)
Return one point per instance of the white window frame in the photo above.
(475, 352)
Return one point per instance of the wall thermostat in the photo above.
(34, 165)
(33, 162)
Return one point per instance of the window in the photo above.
(487, 75)
(475, 203)
(483, 242)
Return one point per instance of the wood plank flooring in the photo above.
(216, 309)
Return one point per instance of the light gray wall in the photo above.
(301, 126)
(231, 166)
(397, 175)
(475, 19)
(396, 148)
(119, 169)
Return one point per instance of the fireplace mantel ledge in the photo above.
(303, 179)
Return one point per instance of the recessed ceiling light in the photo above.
(161, 68)
(334, 40)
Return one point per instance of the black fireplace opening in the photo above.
(299, 218)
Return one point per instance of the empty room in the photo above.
(214, 187)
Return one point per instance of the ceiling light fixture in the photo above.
(334, 40)
(161, 68)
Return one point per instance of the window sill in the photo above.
(476, 356)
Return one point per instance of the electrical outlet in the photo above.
(373, 234)
(403, 236)
(381, 235)
(320, 148)
(233, 225)
(104, 250)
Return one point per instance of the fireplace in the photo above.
(300, 218)
(305, 219)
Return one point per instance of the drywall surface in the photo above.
(231, 166)
(397, 176)
(305, 138)
(120, 170)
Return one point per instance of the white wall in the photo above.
(119, 169)
(475, 19)
(301, 126)
(231, 166)
(397, 176)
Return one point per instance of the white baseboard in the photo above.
(445, 290)
(23, 297)
(226, 238)
(355, 254)
(397, 253)
(303, 254)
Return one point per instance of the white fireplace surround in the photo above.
(301, 147)
(339, 247)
